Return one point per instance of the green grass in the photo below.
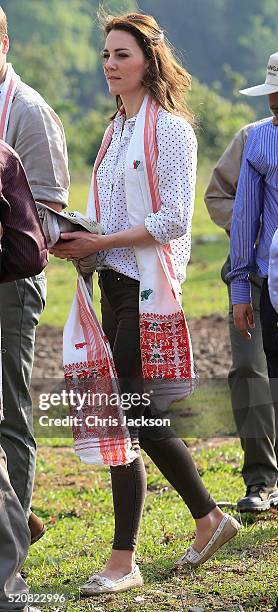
(204, 293)
(75, 502)
(202, 224)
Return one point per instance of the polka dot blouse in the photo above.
(177, 160)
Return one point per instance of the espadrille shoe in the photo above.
(225, 531)
(97, 585)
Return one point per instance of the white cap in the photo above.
(271, 82)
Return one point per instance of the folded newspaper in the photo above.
(55, 223)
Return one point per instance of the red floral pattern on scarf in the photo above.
(165, 346)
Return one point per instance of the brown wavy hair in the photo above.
(166, 80)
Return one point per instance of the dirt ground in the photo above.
(210, 339)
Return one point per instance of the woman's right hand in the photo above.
(77, 245)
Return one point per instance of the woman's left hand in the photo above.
(76, 245)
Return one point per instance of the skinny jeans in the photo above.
(120, 322)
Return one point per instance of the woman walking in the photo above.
(143, 195)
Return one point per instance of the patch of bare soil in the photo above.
(210, 339)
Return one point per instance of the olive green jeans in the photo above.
(21, 303)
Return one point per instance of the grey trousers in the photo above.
(251, 400)
(21, 304)
(14, 542)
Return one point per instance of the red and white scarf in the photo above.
(90, 373)
(166, 353)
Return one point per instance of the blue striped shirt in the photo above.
(256, 206)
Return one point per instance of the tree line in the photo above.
(55, 46)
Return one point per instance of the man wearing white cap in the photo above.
(270, 86)
(256, 209)
(248, 359)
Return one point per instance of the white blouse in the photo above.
(177, 161)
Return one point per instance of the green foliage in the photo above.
(51, 45)
(55, 48)
(36, 67)
(213, 34)
(59, 26)
(84, 135)
(218, 119)
(224, 42)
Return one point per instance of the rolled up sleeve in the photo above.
(245, 223)
(41, 146)
(177, 162)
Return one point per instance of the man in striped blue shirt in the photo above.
(273, 272)
(256, 213)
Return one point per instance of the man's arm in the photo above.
(24, 247)
(53, 205)
(244, 230)
(40, 143)
(221, 191)
(273, 272)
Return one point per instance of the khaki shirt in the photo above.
(221, 191)
(37, 135)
